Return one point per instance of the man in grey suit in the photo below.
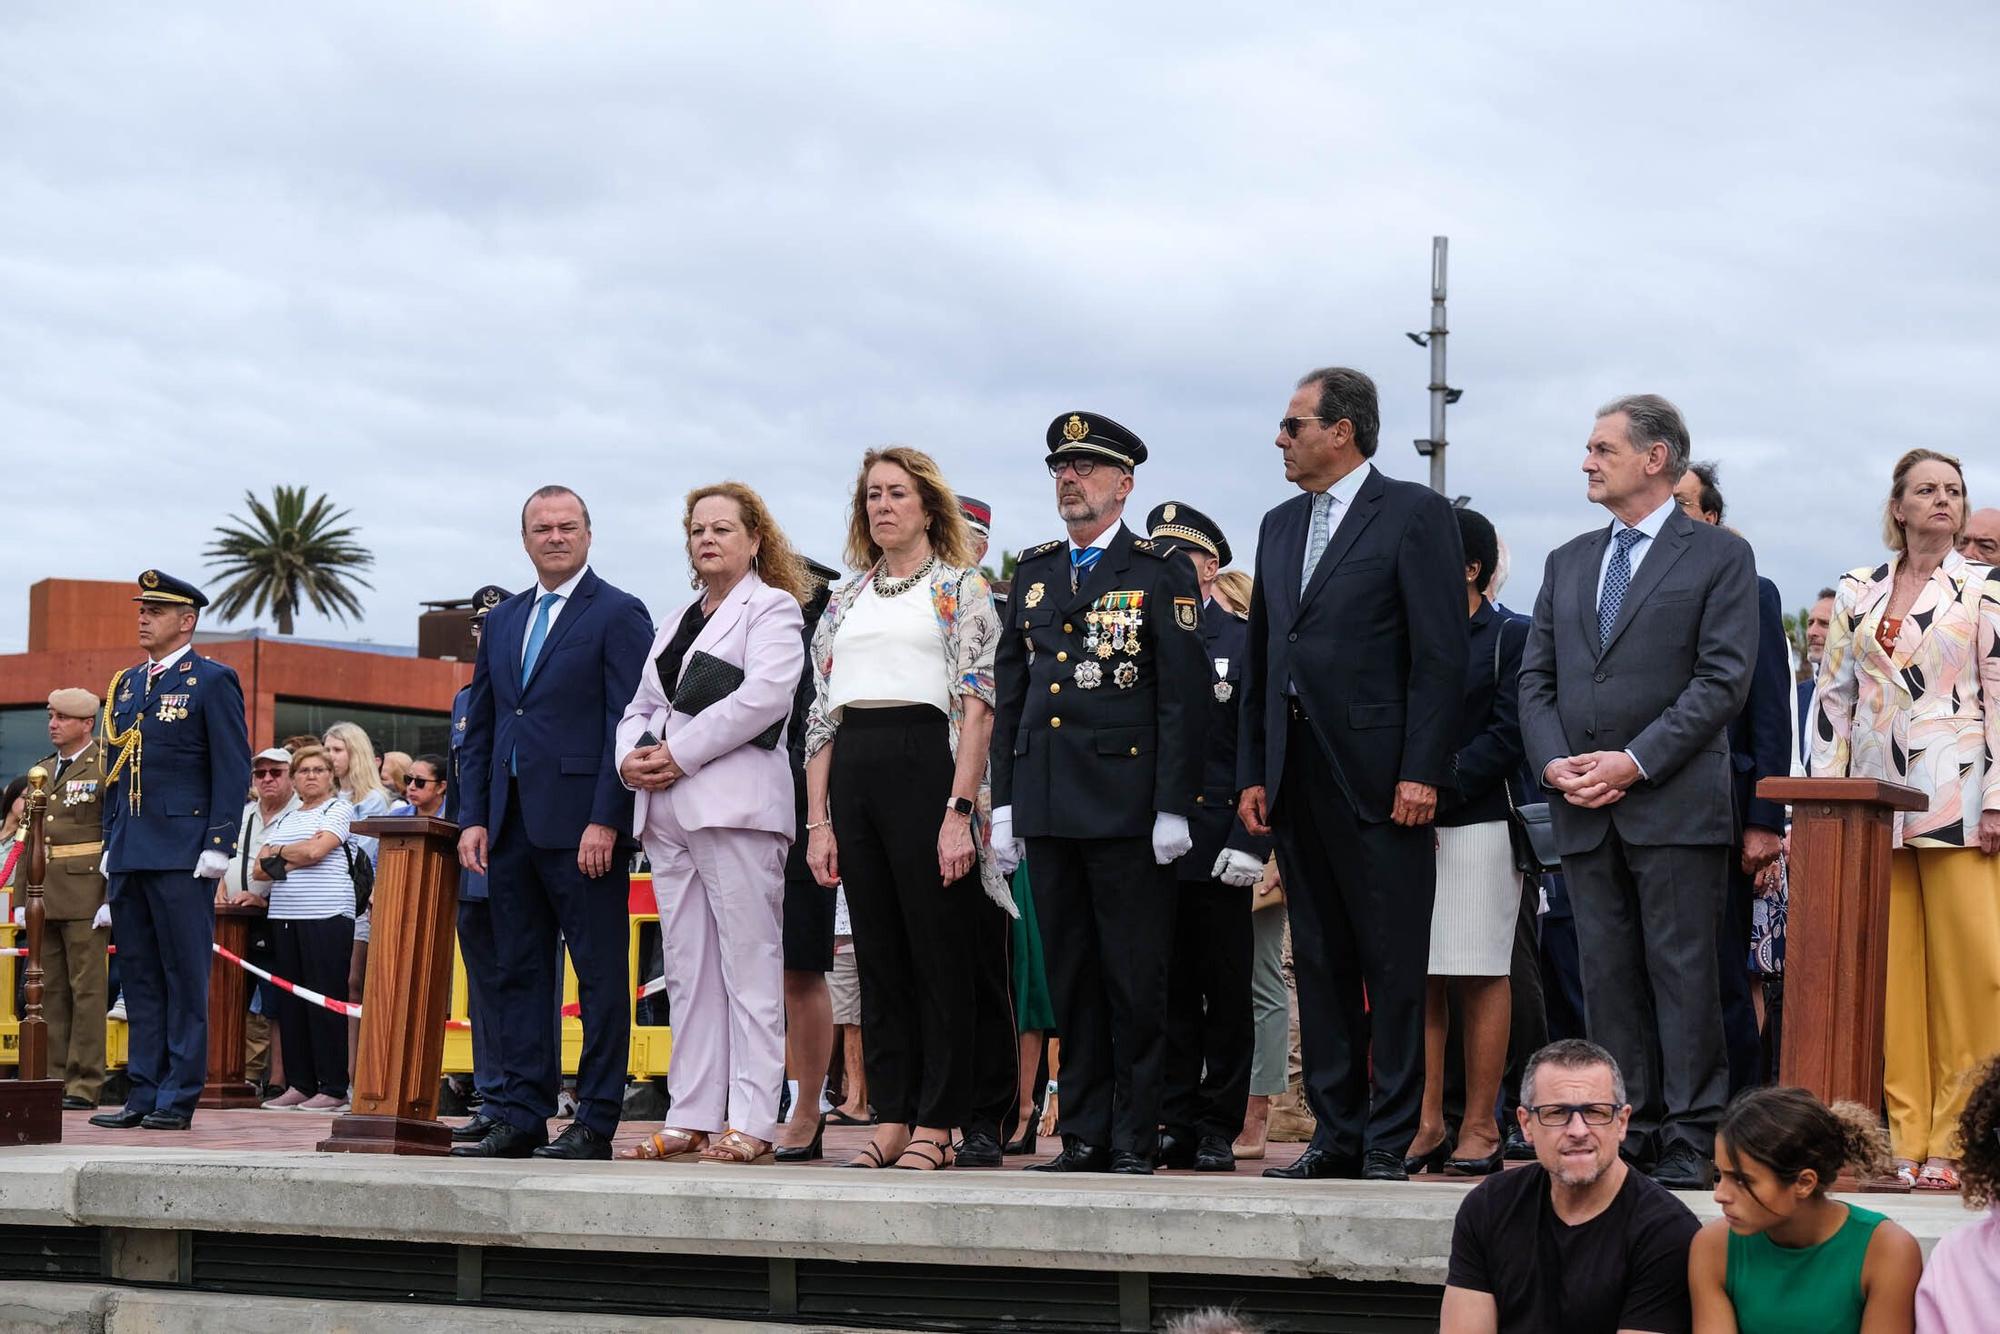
(1641, 652)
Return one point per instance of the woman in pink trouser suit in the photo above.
(716, 814)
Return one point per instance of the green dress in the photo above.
(1800, 1290)
(1034, 1011)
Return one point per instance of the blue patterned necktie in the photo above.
(539, 633)
(1081, 563)
(1617, 578)
(1317, 537)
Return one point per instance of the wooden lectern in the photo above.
(31, 1104)
(228, 997)
(414, 920)
(1837, 936)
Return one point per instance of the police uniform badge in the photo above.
(1036, 591)
(1184, 613)
(1075, 429)
(1126, 674)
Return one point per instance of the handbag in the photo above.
(708, 680)
(1530, 827)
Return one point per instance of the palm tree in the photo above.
(288, 553)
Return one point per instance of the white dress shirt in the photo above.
(1649, 528)
(563, 592)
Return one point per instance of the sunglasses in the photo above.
(1083, 467)
(414, 781)
(1559, 1113)
(1290, 425)
(267, 773)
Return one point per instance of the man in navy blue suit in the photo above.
(177, 757)
(546, 820)
(1760, 747)
(475, 916)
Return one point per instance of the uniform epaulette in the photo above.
(1146, 546)
(1042, 550)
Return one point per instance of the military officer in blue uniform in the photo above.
(1208, 986)
(177, 763)
(475, 917)
(1103, 695)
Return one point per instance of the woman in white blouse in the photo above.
(896, 798)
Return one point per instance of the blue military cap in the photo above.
(157, 587)
(1183, 525)
(1074, 434)
(486, 599)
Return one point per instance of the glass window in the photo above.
(24, 739)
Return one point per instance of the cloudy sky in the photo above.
(425, 257)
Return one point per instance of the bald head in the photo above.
(1982, 537)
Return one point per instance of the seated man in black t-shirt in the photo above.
(1577, 1241)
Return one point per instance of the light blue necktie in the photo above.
(1317, 537)
(1081, 563)
(538, 634)
(1617, 578)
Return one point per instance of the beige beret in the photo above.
(74, 702)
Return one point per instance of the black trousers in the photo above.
(996, 1047)
(1745, 1045)
(1645, 926)
(892, 774)
(1106, 912)
(534, 894)
(315, 954)
(1359, 896)
(482, 966)
(1209, 1040)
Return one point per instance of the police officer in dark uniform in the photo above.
(475, 917)
(177, 756)
(1103, 692)
(1209, 1038)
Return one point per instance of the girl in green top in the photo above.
(1784, 1257)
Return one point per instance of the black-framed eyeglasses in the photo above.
(1290, 425)
(1557, 1114)
(1082, 467)
(267, 773)
(415, 781)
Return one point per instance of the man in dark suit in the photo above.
(1097, 743)
(1641, 652)
(1760, 747)
(1208, 983)
(475, 913)
(177, 753)
(544, 818)
(1351, 698)
(1819, 620)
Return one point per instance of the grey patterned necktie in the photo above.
(1617, 578)
(1317, 536)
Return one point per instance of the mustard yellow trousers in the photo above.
(1942, 1014)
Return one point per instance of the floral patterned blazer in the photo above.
(1923, 711)
(963, 603)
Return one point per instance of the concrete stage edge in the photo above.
(156, 1213)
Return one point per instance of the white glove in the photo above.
(1007, 849)
(104, 864)
(211, 866)
(1237, 868)
(1171, 839)
(103, 917)
(20, 917)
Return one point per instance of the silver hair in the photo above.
(1571, 1054)
(1212, 1320)
(1652, 420)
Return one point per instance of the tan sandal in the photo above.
(1939, 1175)
(667, 1146)
(738, 1149)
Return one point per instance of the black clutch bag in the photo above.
(706, 680)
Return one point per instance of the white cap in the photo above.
(278, 753)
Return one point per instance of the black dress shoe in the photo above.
(1476, 1167)
(1681, 1168)
(978, 1149)
(1318, 1165)
(503, 1141)
(1075, 1157)
(1427, 1162)
(1025, 1144)
(1214, 1154)
(165, 1121)
(1177, 1149)
(1379, 1165)
(72, 1103)
(474, 1130)
(1127, 1163)
(577, 1143)
(125, 1118)
(1517, 1149)
(804, 1153)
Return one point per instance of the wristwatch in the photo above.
(962, 805)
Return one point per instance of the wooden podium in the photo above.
(31, 1104)
(228, 999)
(414, 919)
(1837, 936)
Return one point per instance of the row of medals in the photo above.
(1106, 634)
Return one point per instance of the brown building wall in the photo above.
(80, 613)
